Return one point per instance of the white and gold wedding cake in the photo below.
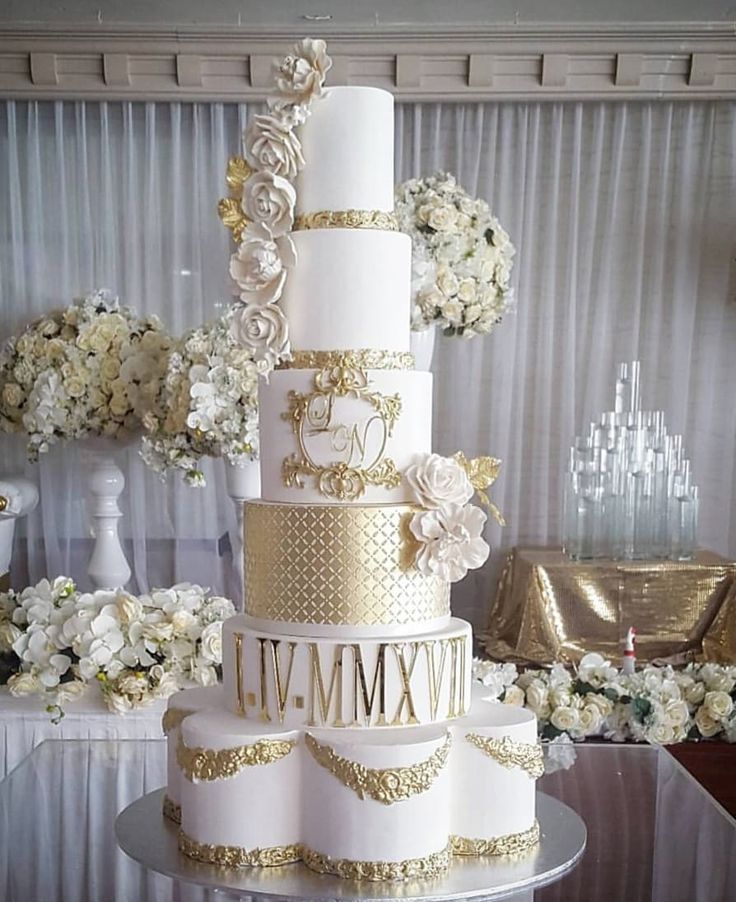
(347, 734)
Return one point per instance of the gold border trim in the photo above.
(173, 717)
(236, 856)
(426, 868)
(510, 844)
(385, 785)
(505, 751)
(346, 219)
(360, 358)
(209, 764)
(172, 810)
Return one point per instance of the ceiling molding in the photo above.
(541, 62)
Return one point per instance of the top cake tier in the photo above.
(348, 143)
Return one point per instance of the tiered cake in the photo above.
(348, 735)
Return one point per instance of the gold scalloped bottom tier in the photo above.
(427, 868)
(336, 564)
(172, 810)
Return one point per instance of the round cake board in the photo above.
(149, 838)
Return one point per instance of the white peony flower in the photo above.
(436, 481)
(263, 331)
(270, 200)
(301, 75)
(271, 144)
(451, 541)
(260, 264)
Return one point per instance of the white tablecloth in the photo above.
(24, 724)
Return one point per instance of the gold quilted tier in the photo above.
(337, 565)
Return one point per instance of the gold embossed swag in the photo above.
(508, 753)
(218, 764)
(385, 785)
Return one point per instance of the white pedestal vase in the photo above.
(242, 482)
(422, 347)
(108, 567)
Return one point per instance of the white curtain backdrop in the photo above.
(624, 218)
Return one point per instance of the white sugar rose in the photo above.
(301, 75)
(437, 480)
(264, 331)
(270, 199)
(260, 264)
(718, 704)
(451, 541)
(565, 719)
(707, 724)
(271, 143)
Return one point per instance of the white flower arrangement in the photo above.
(89, 370)
(273, 156)
(659, 705)
(461, 257)
(207, 403)
(135, 649)
(449, 530)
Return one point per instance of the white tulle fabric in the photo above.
(623, 218)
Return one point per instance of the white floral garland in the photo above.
(88, 370)
(266, 253)
(461, 257)
(134, 648)
(659, 705)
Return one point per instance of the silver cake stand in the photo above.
(151, 839)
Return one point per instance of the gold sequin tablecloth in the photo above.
(549, 608)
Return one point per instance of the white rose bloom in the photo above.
(718, 704)
(260, 264)
(537, 696)
(182, 622)
(676, 713)
(203, 674)
(559, 676)
(211, 647)
(447, 282)
(300, 76)
(436, 481)
(660, 733)
(565, 719)
(442, 218)
(706, 723)
(513, 696)
(271, 144)
(715, 679)
(603, 704)
(451, 540)
(21, 684)
(452, 311)
(270, 199)
(559, 697)
(263, 330)
(695, 694)
(590, 720)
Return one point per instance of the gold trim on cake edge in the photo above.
(346, 219)
(171, 810)
(362, 358)
(508, 753)
(238, 857)
(509, 844)
(198, 763)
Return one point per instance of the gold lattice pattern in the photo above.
(337, 564)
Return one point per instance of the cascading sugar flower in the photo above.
(301, 75)
(437, 480)
(263, 331)
(450, 540)
(270, 200)
(260, 264)
(271, 143)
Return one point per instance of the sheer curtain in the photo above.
(624, 218)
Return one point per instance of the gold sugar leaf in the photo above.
(232, 216)
(238, 172)
(482, 472)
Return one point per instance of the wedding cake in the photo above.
(347, 734)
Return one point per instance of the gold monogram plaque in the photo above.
(342, 454)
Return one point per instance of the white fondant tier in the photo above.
(296, 681)
(337, 570)
(348, 145)
(179, 706)
(375, 804)
(349, 289)
(329, 430)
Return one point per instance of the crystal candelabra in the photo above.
(629, 491)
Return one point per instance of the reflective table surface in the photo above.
(653, 832)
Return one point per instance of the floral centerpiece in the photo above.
(660, 705)
(135, 649)
(89, 370)
(461, 257)
(206, 404)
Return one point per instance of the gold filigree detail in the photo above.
(347, 219)
(360, 358)
(230, 209)
(236, 856)
(171, 810)
(427, 868)
(335, 563)
(510, 844)
(312, 414)
(385, 785)
(508, 753)
(173, 717)
(482, 472)
(218, 764)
